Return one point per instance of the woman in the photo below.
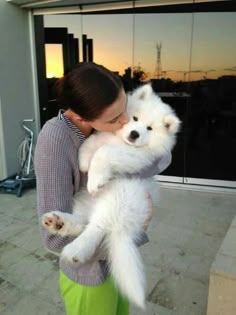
(93, 98)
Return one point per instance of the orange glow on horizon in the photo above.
(54, 60)
(54, 66)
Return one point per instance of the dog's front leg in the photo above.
(89, 147)
(62, 223)
(112, 160)
(83, 247)
(99, 172)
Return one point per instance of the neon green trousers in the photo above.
(103, 299)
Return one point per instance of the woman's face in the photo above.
(114, 117)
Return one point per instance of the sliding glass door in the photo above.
(211, 113)
(189, 56)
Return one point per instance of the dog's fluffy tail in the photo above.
(127, 267)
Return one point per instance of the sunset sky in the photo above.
(118, 45)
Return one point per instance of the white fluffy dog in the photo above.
(116, 207)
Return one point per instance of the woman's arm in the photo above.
(54, 184)
(55, 190)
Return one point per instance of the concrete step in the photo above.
(222, 288)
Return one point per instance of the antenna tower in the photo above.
(158, 70)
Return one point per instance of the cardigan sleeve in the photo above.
(54, 179)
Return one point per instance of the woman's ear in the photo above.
(78, 117)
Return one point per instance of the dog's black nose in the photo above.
(134, 134)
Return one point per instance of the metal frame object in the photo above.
(17, 182)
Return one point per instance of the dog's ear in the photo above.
(143, 91)
(172, 123)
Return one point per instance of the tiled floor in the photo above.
(185, 235)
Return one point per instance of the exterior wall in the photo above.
(17, 96)
(2, 144)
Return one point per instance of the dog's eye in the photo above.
(135, 118)
(149, 128)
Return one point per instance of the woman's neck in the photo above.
(82, 125)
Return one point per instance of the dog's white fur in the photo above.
(117, 207)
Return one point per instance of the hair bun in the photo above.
(59, 91)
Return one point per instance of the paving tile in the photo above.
(9, 294)
(228, 246)
(48, 290)
(158, 255)
(233, 224)
(170, 232)
(151, 309)
(203, 245)
(41, 251)
(15, 209)
(223, 203)
(180, 294)
(224, 265)
(183, 199)
(14, 229)
(159, 215)
(19, 207)
(185, 234)
(5, 221)
(26, 213)
(153, 275)
(29, 239)
(9, 254)
(164, 291)
(199, 269)
(192, 297)
(217, 227)
(30, 305)
(29, 272)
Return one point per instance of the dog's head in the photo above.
(152, 123)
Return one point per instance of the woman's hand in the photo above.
(150, 212)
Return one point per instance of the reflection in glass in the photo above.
(169, 33)
(211, 131)
(112, 35)
(54, 66)
(162, 52)
(190, 59)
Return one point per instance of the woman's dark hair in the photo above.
(88, 89)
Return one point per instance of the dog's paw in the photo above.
(68, 253)
(77, 252)
(54, 222)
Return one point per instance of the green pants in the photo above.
(103, 299)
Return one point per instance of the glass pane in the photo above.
(54, 61)
(170, 31)
(54, 55)
(162, 52)
(211, 145)
(112, 40)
